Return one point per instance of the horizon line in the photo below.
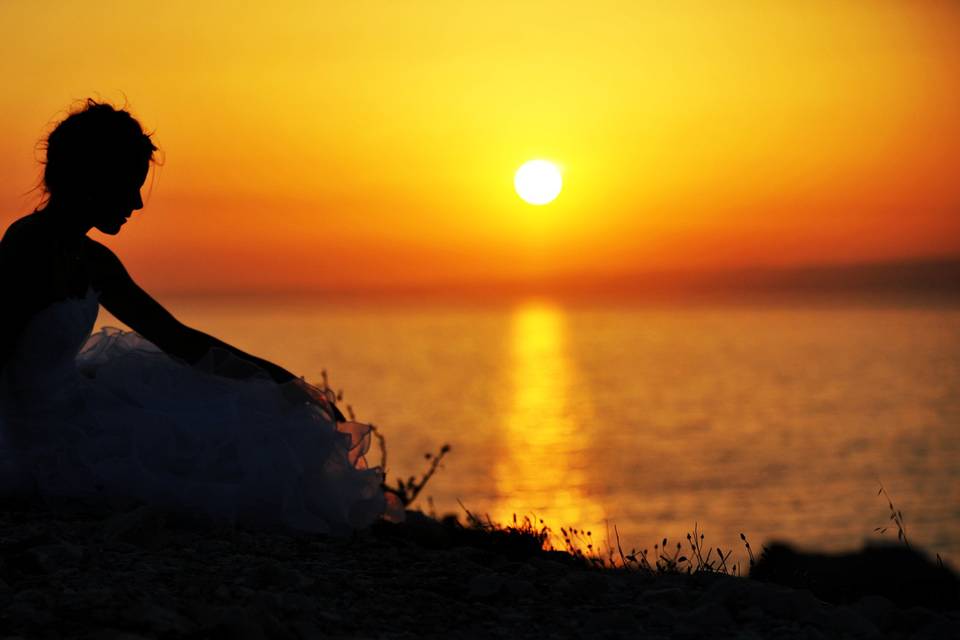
(925, 277)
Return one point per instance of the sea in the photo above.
(628, 423)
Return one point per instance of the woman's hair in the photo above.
(93, 142)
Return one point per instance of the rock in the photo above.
(192, 591)
(62, 577)
(616, 620)
(473, 556)
(272, 628)
(845, 619)
(902, 574)
(203, 615)
(811, 633)
(527, 571)
(940, 628)
(212, 546)
(137, 525)
(915, 618)
(729, 591)
(266, 601)
(243, 594)
(660, 616)
(550, 567)
(518, 588)
(296, 602)
(483, 587)
(330, 617)
(587, 583)
(234, 623)
(53, 557)
(751, 614)
(425, 530)
(671, 595)
(708, 617)
(877, 609)
(787, 604)
(33, 596)
(24, 612)
(306, 630)
(272, 573)
(157, 619)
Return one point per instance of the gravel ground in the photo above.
(83, 572)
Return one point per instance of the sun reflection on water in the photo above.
(540, 470)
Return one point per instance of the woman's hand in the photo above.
(299, 391)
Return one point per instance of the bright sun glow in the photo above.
(538, 182)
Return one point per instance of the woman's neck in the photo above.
(68, 221)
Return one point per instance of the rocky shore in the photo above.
(137, 572)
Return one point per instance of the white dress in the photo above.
(109, 414)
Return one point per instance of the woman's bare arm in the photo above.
(19, 287)
(133, 306)
(13, 317)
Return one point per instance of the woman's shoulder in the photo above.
(22, 236)
(100, 253)
(103, 266)
(25, 225)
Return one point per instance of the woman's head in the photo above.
(96, 161)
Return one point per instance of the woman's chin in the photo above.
(111, 228)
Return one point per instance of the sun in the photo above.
(538, 182)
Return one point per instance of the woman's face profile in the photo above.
(115, 199)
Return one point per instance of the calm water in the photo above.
(776, 422)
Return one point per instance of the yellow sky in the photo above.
(359, 143)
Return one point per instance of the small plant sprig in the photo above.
(523, 538)
(704, 563)
(669, 558)
(406, 490)
(896, 517)
(746, 545)
(580, 544)
(532, 534)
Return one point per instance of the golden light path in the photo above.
(540, 472)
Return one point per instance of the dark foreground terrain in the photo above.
(140, 573)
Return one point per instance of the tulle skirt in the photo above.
(131, 421)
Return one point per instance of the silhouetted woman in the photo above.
(166, 413)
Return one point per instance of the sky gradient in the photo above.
(373, 144)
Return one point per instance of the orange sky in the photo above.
(355, 144)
